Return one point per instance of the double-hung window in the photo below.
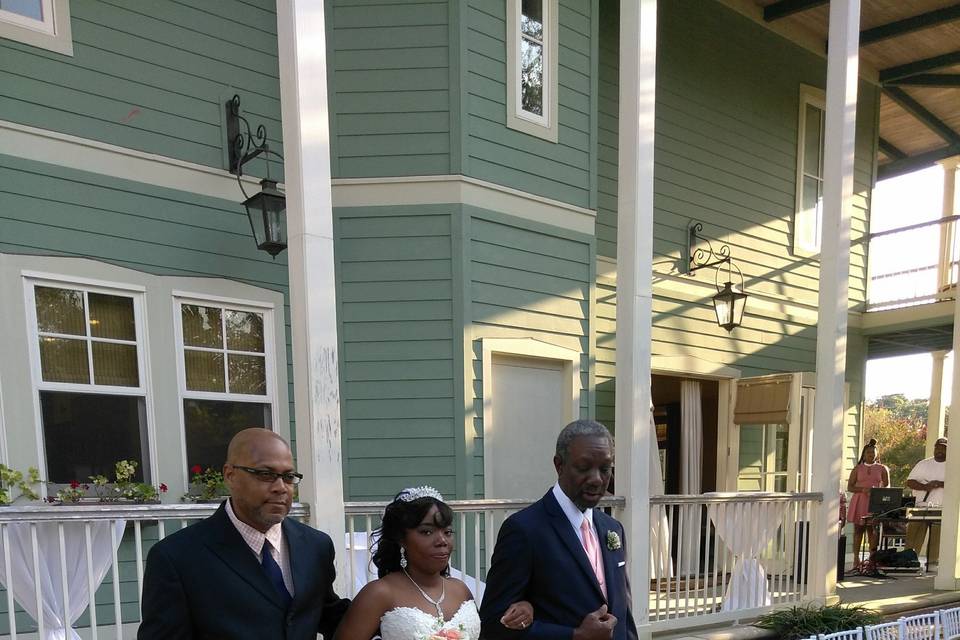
(226, 374)
(41, 23)
(532, 67)
(88, 374)
(808, 216)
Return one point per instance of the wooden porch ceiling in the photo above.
(915, 45)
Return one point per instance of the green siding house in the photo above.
(474, 155)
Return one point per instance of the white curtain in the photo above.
(660, 564)
(691, 447)
(746, 529)
(57, 625)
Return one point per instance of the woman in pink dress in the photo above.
(868, 474)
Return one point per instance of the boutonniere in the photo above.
(613, 541)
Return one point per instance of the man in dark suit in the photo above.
(562, 555)
(247, 571)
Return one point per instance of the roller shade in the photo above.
(763, 400)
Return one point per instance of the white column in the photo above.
(841, 106)
(948, 573)
(638, 48)
(948, 231)
(306, 148)
(936, 408)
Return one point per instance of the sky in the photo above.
(899, 202)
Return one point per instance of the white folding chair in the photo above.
(925, 626)
(950, 623)
(855, 634)
(884, 631)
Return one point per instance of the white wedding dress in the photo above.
(408, 623)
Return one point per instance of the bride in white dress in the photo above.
(414, 597)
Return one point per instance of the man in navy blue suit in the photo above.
(562, 555)
(247, 571)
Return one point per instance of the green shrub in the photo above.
(802, 622)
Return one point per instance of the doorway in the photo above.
(680, 448)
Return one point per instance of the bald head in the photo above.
(244, 446)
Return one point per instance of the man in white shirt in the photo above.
(926, 480)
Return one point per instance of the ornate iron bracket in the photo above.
(242, 143)
(702, 257)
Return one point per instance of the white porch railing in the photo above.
(913, 265)
(476, 523)
(61, 544)
(715, 557)
(724, 557)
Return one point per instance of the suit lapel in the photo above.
(561, 524)
(230, 547)
(297, 549)
(602, 524)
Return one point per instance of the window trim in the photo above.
(54, 35)
(814, 97)
(32, 279)
(272, 395)
(546, 126)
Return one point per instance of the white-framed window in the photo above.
(226, 364)
(532, 33)
(88, 371)
(808, 214)
(40, 23)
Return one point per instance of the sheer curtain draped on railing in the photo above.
(752, 554)
(58, 570)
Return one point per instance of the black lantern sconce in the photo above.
(267, 210)
(730, 301)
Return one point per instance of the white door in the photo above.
(530, 405)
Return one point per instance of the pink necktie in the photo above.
(593, 553)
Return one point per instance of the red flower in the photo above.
(74, 484)
(163, 488)
(195, 469)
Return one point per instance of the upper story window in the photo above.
(226, 374)
(808, 217)
(532, 67)
(41, 23)
(88, 374)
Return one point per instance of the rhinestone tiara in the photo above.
(415, 493)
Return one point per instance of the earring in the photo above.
(403, 558)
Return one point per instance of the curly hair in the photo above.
(870, 445)
(399, 517)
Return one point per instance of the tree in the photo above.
(900, 428)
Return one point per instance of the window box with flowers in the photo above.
(100, 490)
(206, 485)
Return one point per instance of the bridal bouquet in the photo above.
(447, 634)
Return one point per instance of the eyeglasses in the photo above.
(265, 475)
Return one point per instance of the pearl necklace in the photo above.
(438, 601)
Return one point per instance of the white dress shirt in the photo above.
(926, 470)
(574, 515)
(254, 540)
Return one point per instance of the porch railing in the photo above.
(722, 557)
(62, 544)
(476, 523)
(913, 265)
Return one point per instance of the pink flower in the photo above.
(163, 488)
(449, 634)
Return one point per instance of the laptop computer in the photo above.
(885, 501)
